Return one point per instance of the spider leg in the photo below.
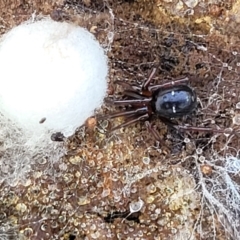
(128, 86)
(129, 102)
(202, 129)
(133, 94)
(153, 131)
(176, 82)
(129, 122)
(137, 111)
(171, 124)
(155, 134)
(146, 84)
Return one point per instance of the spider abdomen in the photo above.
(175, 101)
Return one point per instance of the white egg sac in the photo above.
(53, 76)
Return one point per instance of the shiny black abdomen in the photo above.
(175, 101)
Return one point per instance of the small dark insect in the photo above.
(42, 120)
(170, 100)
(57, 137)
(125, 215)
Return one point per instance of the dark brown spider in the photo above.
(170, 100)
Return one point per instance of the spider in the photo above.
(170, 100)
